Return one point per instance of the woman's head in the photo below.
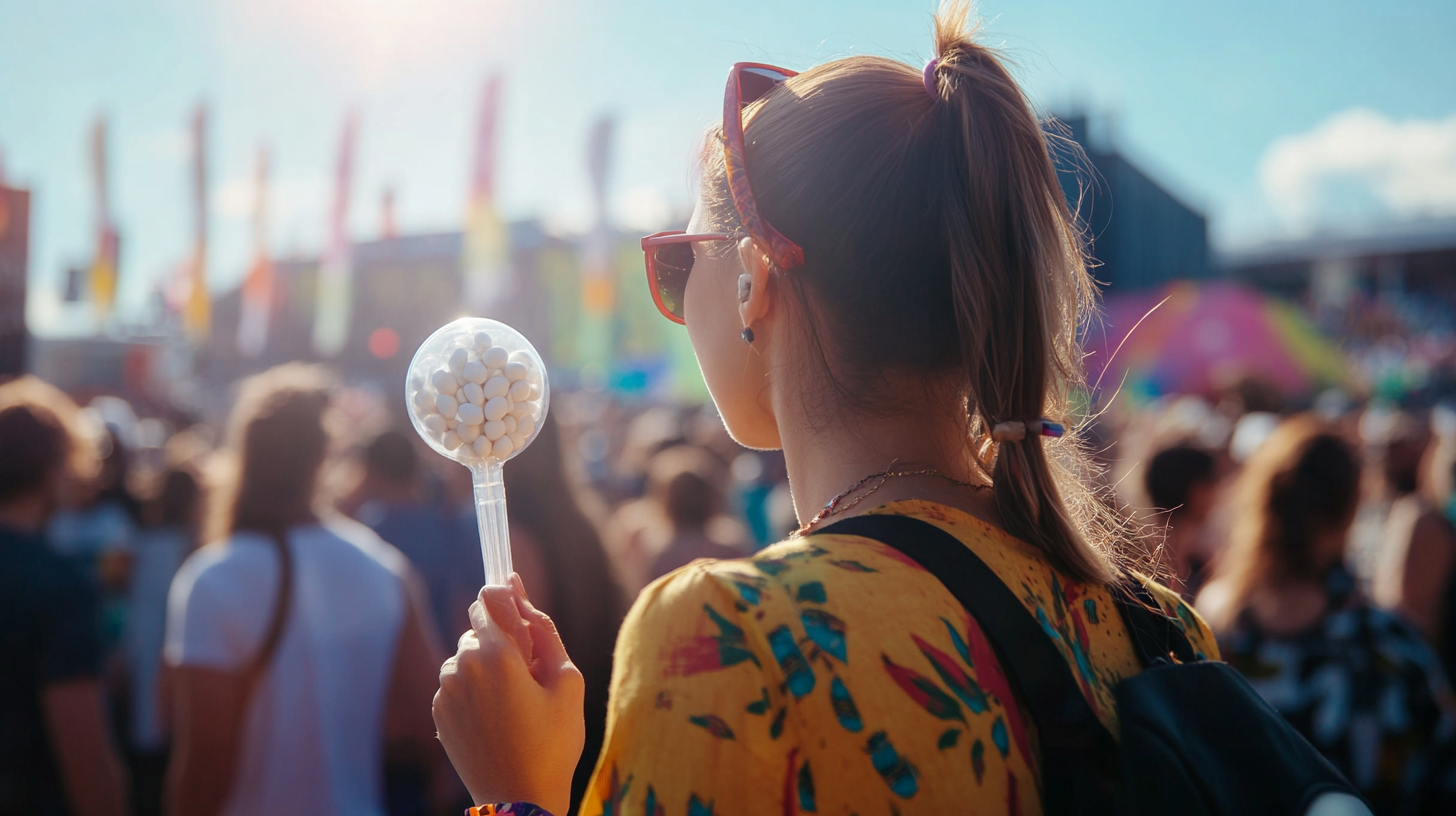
(684, 481)
(1295, 501)
(278, 440)
(941, 266)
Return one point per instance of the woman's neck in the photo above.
(825, 461)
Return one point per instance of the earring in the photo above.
(747, 335)
(745, 287)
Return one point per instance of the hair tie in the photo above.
(929, 77)
(1016, 430)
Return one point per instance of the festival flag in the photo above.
(486, 267)
(598, 261)
(197, 309)
(103, 263)
(257, 294)
(335, 274)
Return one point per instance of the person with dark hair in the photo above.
(169, 532)
(1182, 481)
(882, 278)
(1360, 683)
(56, 752)
(299, 641)
(684, 484)
(389, 501)
(1415, 572)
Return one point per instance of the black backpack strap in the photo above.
(1078, 755)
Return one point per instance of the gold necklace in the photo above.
(833, 506)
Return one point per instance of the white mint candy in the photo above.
(495, 357)
(450, 441)
(446, 405)
(424, 403)
(475, 372)
(510, 423)
(473, 393)
(516, 371)
(451, 424)
(494, 429)
(496, 387)
(416, 381)
(468, 433)
(481, 446)
(444, 382)
(458, 358)
(526, 425)
(535, 392)
(435, 423)
(482, 341)
(495, 408)
(520, 390)
(502, 447)
(522, 409)
(470, 414)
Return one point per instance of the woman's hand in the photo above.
(509, 709)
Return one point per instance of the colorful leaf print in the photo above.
(759, 707)
(948, 739)
(697, 808)
(978, 760)
(797, 673)
(704, 653)
(897, 771)
(924, 691)
(806, 789)
(776, 728)
(652, 807)
(811, 552)
(713, 724)
(826, 631)
(616, 794)
(998, 736)
(770, 566)
(812, 592)
(748, 592)
(952, 675)
(844, 707)
(1089, 606)
(1013, 797)
(994, 680)
(851, 565)
(959, 643)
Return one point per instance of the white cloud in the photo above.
(1363, 165)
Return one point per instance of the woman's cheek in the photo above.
(733, 379)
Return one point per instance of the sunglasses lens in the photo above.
(673, 263)
(755, 83)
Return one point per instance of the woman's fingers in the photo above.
(498, 612)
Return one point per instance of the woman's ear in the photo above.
(753, 288)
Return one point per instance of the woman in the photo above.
(298, 639)
(894, 303)
(1358, 682)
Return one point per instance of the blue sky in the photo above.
(1273, 117)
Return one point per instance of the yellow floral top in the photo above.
(832, 675)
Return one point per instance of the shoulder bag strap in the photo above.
(1078, 754)
(282, 602)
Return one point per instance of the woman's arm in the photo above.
(1427, 572)
(207, 718)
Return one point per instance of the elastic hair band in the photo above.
(929, 77)
(1016, 430)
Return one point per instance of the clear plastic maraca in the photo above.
(477, 393)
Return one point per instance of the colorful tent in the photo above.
(1197, 338)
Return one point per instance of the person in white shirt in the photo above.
(283, 704)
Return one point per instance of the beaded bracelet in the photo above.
(508, 809)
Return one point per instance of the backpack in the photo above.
(1196, 738)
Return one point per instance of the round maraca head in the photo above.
(477, 391)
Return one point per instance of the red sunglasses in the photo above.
(670, 254)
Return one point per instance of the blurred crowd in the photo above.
(308, 564)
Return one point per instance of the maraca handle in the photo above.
(490, 515)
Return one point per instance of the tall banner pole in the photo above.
(335, 273)
(257, 293)
(197, 312)
(486, 256)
